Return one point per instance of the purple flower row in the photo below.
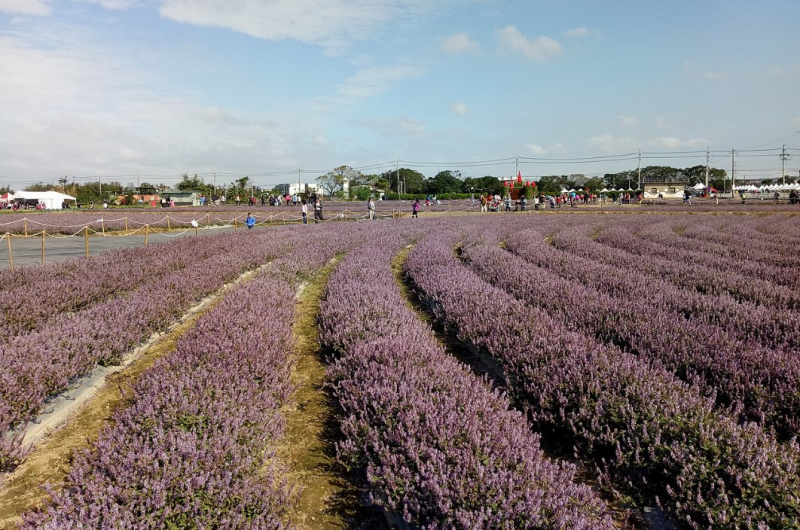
(647, 431)
(621, 247)
(74, 286)
(753, 258)
(759, 379)
(40, 364)
(195, 448)
(439, 446)
(618, 274)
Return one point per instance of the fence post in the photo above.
(146, 230)
(168, 225)
(103, 226)
(25, 221)
(208, 219)
(10, 256)
(86, 240)
(234, 224)
(43, 234)
(126, 224)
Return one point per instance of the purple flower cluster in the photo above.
(194, 448)
(39, 364)
(646, 430)
(746, 373)
(439, 446)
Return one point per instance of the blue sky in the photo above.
(264, 88)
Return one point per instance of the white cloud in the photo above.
(796, 120)
(540, 49)
(536, 149)
(714, 76)
(25, 7)
(78, 111)
(584, 32)
(629, 121)
(460, 42)
(330, 23)
(375, 80)
(400, 126)
(459, 108)
(662, 123)
(669, 142)
(609, 143)
(114, 4)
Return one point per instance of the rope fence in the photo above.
(174, 227)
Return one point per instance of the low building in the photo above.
(183, 197)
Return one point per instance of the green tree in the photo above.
(445, 182)
(333, 181)
(414, 180)
(594, 184)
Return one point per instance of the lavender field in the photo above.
(637, 365)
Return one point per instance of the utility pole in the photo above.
(784, 157)
(397, 170)
(100, 182)
(708, 157)
(299, 186)
(639, 173)
(215, 183)
(733, 171)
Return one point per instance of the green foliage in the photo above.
(360, 193)
(445, 182)
(529, 192)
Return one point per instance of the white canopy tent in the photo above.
(51, 200)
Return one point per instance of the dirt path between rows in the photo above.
(329, 498)
(50, 460)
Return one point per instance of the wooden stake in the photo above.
(86, 240)
(146, 230)
(43, 233)
(126, 224)
(25, 221)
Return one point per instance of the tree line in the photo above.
(447, 183)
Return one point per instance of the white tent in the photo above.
(52, 200)
(699, 186)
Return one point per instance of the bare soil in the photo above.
(50, 461)
(330, 497)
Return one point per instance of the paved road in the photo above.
(28, 251)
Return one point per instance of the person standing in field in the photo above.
(250, 221)
(304, 210)
(318, 211)
(371, 208)
(415, 208)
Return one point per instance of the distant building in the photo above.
(183, 197)
(672, 186)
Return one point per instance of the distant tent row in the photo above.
(50, 200)
(752, 188)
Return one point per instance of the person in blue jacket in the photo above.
(250, 221)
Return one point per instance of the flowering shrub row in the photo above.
(615, 245)
(761, 380)
(439, 447)
(194, 449)
(61, 289)
(759, 259)
(646, 430)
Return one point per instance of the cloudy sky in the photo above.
(117, 89)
